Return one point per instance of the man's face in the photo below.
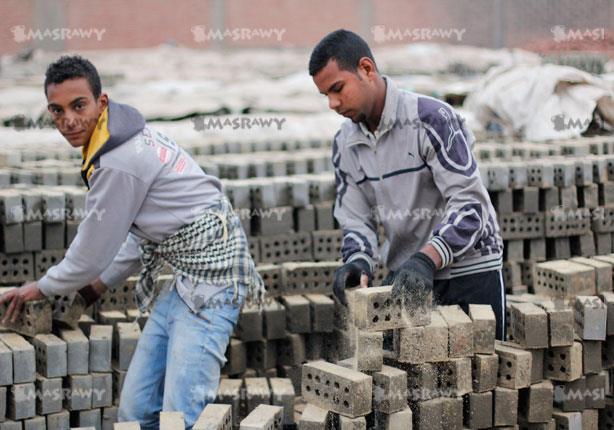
(74, 110)
(350, 93)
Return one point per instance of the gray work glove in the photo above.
(349, 275)
(413, 282)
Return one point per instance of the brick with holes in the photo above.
(263, 417)
(51, 355)
(514, 366)
(336, 388)
(214, 417)
(563, 363)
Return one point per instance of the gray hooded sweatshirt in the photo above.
(142, 185)
(417, 176)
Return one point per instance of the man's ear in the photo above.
(367, 67)
(103, 102)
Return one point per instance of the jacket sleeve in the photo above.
(354, 213)
(446, 148)
(126, 263)
(112, 204)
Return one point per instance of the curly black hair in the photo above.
(343, 46)
(71, 67)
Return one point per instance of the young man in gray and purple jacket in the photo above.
(404, 160)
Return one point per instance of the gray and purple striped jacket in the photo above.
(418, 178)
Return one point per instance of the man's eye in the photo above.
(56, 111)
(79, 106)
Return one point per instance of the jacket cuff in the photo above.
(443, 249)
(361, 258)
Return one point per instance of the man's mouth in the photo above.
(73, 135)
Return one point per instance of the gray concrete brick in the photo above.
(560, 324)
(49, 398)
(101, 347)
(34, 319)
(262, 417)
(171, 420)
(322, 311)
(590, 317)
(24, 357)
(460, 331)
(214, 417)
(348, 392)
(36, 423)
(236, 356)
(250, 325)
(109, 418)
(282, 394)
(389, 390)
(274, 319)
(505, 406)
(314, 418)
(563, 279)
(78, 390)
(21, 402)
(571, 396)
(102, 390)
(529, 325)
(478, 410)
(535, 402)
(567, 420)
(6, 364)
(90, 418)
(257, 392)
(262, 354)
(603, 272)
(298, 314)
(374, 310)
(484, 369)
(436, 349)
(608, 300)
(125, 339)
(409, 344)
(514, 366)
(368, 353)
(455, 377)
(591, 357)
(229, 392)
(427, 414)
(291, 350)
(58, 421)
(51, 355)
(78, 351)
(484, 323)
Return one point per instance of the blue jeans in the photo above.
(177, 362)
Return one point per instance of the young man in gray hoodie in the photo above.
(404, 160)
(149, 203)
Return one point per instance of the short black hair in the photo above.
(343, 46)
(71, 67)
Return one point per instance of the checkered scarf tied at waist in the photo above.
(213, 249)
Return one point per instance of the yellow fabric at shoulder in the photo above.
(99, 138)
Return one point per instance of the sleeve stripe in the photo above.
(443, 250)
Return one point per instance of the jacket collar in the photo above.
(387, 120)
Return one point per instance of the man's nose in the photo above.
(333, 103)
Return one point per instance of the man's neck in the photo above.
(372, 122)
